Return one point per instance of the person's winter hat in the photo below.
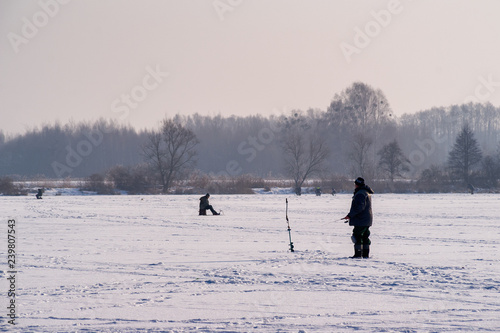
(359, 181)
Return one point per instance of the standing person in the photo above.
(204, 204)
(471, 188)
(360, 217)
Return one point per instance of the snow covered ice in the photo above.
(150, 263)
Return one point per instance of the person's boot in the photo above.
(358, 253)
(366, 252)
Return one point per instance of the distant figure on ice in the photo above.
(471, 188)
(318, 191)
(204, 205)
(360, 217)
(39, 193)
(333, 191)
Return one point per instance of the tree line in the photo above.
(356, 135)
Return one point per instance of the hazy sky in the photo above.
(139, 61)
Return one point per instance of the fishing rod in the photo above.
(289, 230)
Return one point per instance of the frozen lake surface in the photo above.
(150, 263)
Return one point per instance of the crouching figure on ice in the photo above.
(360, 217)
(204, 205)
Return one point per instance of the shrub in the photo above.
(226, 185)
(97, 183)
(432, 179)
(133, 182)
(7, 187)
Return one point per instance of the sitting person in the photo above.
(204, 205)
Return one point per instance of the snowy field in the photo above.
(150, 263)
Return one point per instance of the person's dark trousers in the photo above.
(212, 210)
(361, 240)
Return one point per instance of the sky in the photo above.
(139, 61)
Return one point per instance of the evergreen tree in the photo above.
(464, 155)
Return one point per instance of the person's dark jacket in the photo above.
(360, 214)
(204, 202)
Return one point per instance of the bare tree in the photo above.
(359, 106)
(154, 152)
(464, 155)
(170, 151)
(305, 149)
(392, 160)
(358, 155)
